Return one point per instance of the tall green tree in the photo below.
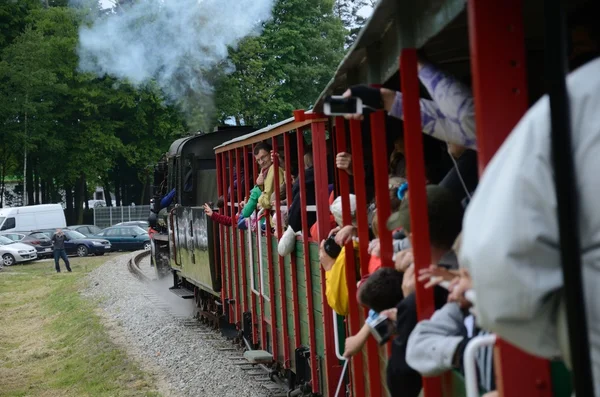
(76, 128)
(283, 69)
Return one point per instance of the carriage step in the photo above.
(258, 356)
(182, 293)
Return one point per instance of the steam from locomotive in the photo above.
(171, 42)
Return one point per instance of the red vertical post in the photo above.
(270, 266)
(282, 289)
(382, 196)
(415, 172)
(358, 169)
(358, 377)
(263, 324)
(220, 188)
(242, 299)
(332, 367)
(229, 212)
(253, 307)
(498, 63)
(314, 375)
(293, 259)
(234, 234)
(225, 234)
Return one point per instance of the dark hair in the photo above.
(262, 146)
(445, 221)
(381, 290)
(221, 202)
(394, 200)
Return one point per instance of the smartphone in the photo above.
(340, 106)
(382, 328)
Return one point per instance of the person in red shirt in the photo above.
(215, 216)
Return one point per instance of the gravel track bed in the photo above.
(186, 364)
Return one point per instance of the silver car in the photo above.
(12, 252)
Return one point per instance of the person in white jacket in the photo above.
(510, 231)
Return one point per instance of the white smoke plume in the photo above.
(172, 42)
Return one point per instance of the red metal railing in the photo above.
(382, 196)
(332, 367)
(358, 170)
(358, 376)
(497, 40)
(415, 172)
(293, 258)
(299, 115)
(242, 300)
(282, 289)
(234, 235)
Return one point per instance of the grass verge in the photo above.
(53, 343)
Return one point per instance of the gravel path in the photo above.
(186, 364)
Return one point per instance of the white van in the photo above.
(34, 217)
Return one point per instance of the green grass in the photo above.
(53, 343)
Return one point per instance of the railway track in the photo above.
(209, 334)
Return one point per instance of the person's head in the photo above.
(381, 290)
(308, 159)
(262, 155)
(375, 224)
(456, 150)
(221, 202)
(59, 231)
(445, 213)
(584, 35)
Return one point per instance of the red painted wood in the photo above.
(235, 235)
(314, 374)
(382, 196)
(221, 233)
(271, 275)
(358, 169)
(332, 367)
(263, 327)
(229, 232)
(293, 258)
(415, 172)
(248, 186)
(242, 304)
(498, 63)
(354, 324)
(282, 289)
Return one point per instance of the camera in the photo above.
(331, 248)
(340, 106)
(382, 328)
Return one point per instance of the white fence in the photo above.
(109, 216)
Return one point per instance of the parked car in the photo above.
(143, 224)
(126, 238)
(86, 230)
(32, 217)
(12, 252)
(40, 241)
(80, 245)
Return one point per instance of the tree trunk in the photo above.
(43, 191)
(69, 204)
(86, 197)
(145, 190)
(107, 197)
(117, 190)
(2, 183)
(79, 196)
(37, 181)
(30, 190)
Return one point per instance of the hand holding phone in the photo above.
(342, 106)
(382, 328)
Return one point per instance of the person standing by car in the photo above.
(58, 239)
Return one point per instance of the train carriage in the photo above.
(277, 306)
